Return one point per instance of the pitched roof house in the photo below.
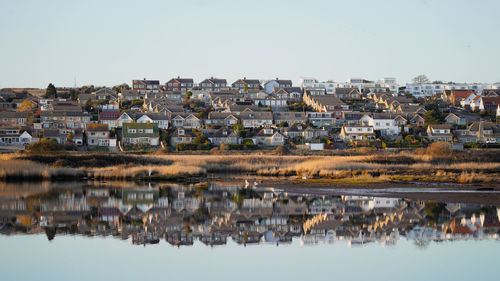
(180, 84)
(140, 134)
(439, 132)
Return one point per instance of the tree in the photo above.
(51, 91)
(201, 139)
(25, 106)
(421, 79)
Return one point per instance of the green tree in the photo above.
(201, 139)
(51, 91)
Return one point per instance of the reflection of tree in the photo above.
(50, 232)
(421, 244)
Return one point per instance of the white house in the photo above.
(387, 124)
(356, 132)
(159, 118)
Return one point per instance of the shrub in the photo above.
(438, 149)
(281, 150)
(44, 146)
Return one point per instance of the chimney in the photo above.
(277, 79)
(244, 78)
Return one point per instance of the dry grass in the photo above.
(465, 167)
(146, 172)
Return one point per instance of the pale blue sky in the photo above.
(111, 42)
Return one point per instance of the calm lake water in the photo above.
(116, 231)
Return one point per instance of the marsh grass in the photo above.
(415, 165)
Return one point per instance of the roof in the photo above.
(440, 126)
(127, 126)
(13, 114)
(263, 115)
(222, 132)
(461, 94)
(214, 81)
(289, 115)
(219, 115)
(97, 127)
(491, 100)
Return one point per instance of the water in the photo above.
(119, 231)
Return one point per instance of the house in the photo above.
(347, 93)
(307, 133)
(146, 86)
(98, 135)
(181, 135)
(162, 119)
(64, 119)
(213, 84)
(140, 134)
(325, 103)
(479, 132)
(243, 85)
(454, 119)
(356, 132)
(13, 118)
(109, 115)
(106, 94)
(130, 95)
(180, 84)
(226, 119)
(269, 136)
(271, 100)
(252, 119)
(59, 135)
(439, 132)
(292, 94)
(387, 123)
(465, 103)
(456, 96)
(124, 118)
(272, 85)
(489, 104)
(352, 117)
(289, 117)
(322, 119)
(14, 136)
(417, 120)
(186, 120)
(223, 136)
(84, 98)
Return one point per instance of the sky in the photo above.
(105, 43)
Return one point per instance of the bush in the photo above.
(281, 150)
(438, 149)
(44, 146)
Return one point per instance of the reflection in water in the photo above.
(215, 213)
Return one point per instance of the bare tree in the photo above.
(421, 79)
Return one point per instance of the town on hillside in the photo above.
(182, 114)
